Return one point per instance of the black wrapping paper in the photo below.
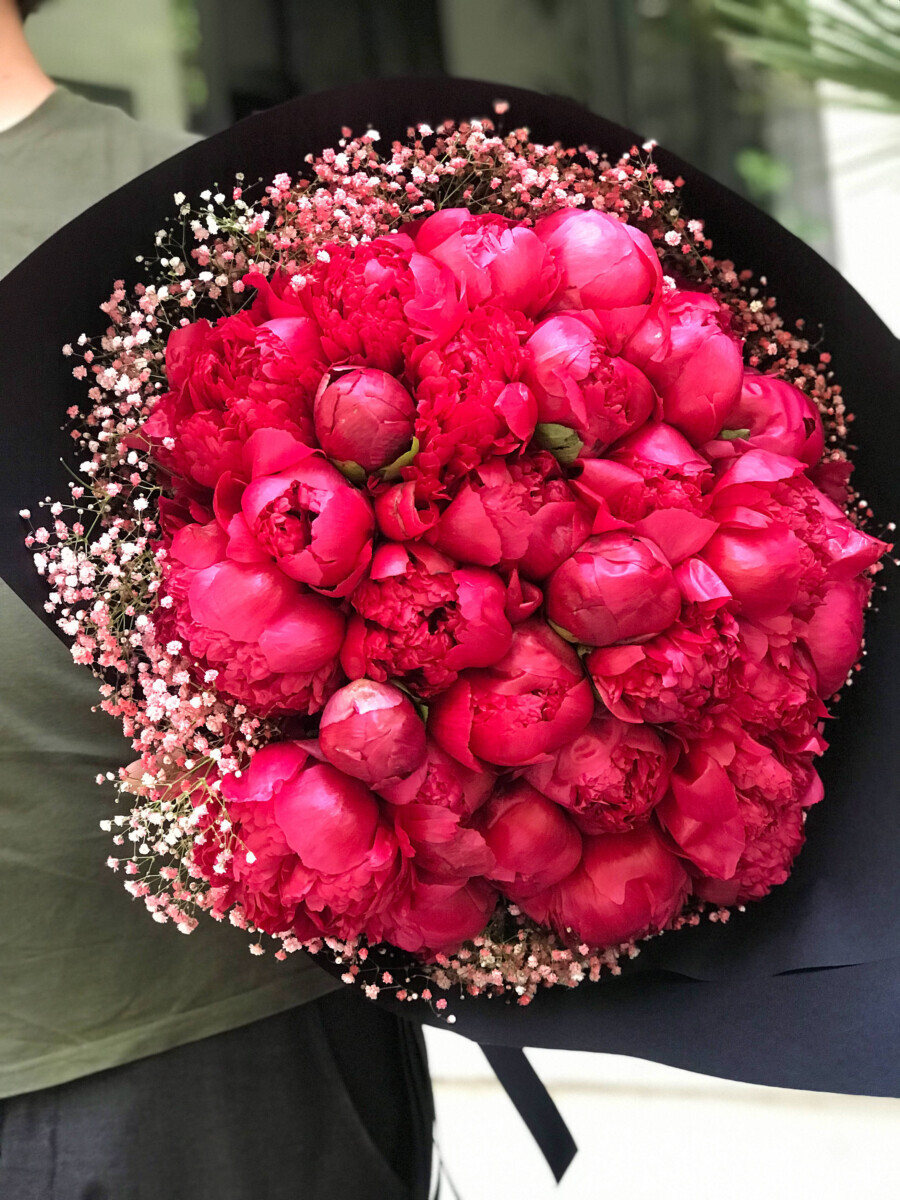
(803, 989)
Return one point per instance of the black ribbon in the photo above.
(534, 1105)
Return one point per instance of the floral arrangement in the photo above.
(469, 555)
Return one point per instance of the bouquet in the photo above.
(471, 557)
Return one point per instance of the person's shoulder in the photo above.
(116, 129)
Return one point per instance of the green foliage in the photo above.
(855, 43)
(764, 175)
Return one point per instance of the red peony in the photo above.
(627, 885)
(300, 512)
(311, 850)
(370, 302)
(609, 777)
(655, 483)
(534, 700)
(432, 811)
(614, 588)
(470, 397)
(579, 386)
(421, 618)
(226, 381)
(533, 842)
(773, 792)
(700, 812)
(363, 417)
(780, 539)
(434, 918)
(372, 731)
(272, 645)
(681, 678)
(775, 675)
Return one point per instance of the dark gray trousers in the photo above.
(331, 1099)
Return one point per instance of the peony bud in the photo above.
(363, 417)
(604, 263)
(372, 732)
(401, 515)
(627, 885)
(581, 388)
(614, 588)
(771, 414)
(534, 842)
(835, 630)
(699, 376)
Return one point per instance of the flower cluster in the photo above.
(473, 582)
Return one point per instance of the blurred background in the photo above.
(795, 104)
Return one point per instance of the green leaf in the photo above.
(732, 435)
(562, 442)
(351, 470)
(854, 43)
(392, 470)
(563, 633)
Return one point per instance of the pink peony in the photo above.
(609, 777)
(363, 417)
(604, 263)
(273, 645)
(579, 386)
(533, 841)
(614, 588)
(494, 260)
(534, 700)
(627, 885)
(421, 618)
(372, 731)
(300, 512)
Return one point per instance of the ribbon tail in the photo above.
(534, 1105)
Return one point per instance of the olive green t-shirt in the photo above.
(87, 979)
